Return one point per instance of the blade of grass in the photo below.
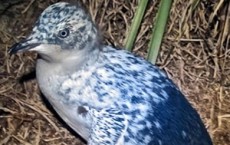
(195, 3)
(135, 24)
(158, 30)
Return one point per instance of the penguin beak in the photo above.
(22, 46)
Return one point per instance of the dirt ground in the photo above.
(195, 53)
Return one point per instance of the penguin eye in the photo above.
(63, 33)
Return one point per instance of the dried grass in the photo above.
(195, 54)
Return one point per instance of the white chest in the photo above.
(75, 115)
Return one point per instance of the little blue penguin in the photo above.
(107, 95)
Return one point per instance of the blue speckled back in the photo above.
(168, 117)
